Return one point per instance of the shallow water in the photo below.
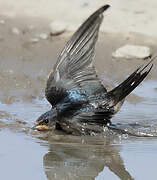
(25, 154)
(141, 116)
(21, 156)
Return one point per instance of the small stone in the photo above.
(15, 31)
(2, 21)
(85, 4)
(10, 71)
(57, 28)
(132, 51)
(43, 36)
(34, 40)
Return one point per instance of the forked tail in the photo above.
(127, 86)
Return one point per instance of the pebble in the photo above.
(15, 30)
(34, 40)
(2, 21)
(57, 28)
(132, 51)
(43, 36)
(85, 4)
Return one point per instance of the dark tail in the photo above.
(127, 86)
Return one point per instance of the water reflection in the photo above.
(71, 157)
(83, 158)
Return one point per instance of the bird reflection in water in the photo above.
(72, 157)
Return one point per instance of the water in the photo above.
(26, 154)
(21, 157)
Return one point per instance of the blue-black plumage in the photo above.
(80, 103)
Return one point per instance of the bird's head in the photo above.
(46, 121)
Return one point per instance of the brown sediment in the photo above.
(25, 65)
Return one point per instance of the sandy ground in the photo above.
(124, 16)
(25, 63)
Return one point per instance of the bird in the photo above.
(80, 103)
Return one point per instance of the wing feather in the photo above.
(74, 68)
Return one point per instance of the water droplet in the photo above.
(125, 136)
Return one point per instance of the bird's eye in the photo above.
(46, 121)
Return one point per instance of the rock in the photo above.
(15, 30)
(132, 51)
(57, 28)
(43, 36)
(34, 40)
(2, 21)
(85, 4)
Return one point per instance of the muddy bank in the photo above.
(124, 16)
(25, 64)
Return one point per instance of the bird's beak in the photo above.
(41, 127)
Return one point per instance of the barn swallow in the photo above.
(80, 102)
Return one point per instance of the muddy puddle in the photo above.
(27, 154)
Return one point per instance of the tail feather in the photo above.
(127, 86)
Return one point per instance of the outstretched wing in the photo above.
(127, 86)
(99, 112)
(74, 67)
